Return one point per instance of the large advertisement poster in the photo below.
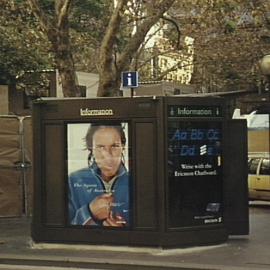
(195, 169)
(98, 174)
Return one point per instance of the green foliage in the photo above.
(91, 8)
(227, 37)
(226, 49)
(230, 26)
(24, 47)
(15, 60)
(35, 84)
(89, 18)
(21, 48)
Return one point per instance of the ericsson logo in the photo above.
(88, 112)
(203, 150)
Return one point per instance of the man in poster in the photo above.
(99, 194)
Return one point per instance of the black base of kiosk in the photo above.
(138, 171)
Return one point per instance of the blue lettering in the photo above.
(180, 135)
(188, 150)
(210, 151)
(213, 150)
(213, 134)
(197, 134)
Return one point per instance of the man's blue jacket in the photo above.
(86, 184)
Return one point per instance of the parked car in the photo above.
(259, 176)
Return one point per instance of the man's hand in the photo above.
(116, 221)
(101, 206)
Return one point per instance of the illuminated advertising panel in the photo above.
(195, 168)
(98, 174)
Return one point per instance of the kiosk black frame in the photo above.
(148, 125)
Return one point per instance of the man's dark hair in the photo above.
(95, 127)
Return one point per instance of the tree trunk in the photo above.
(109, 79)
(110, 67)
(67, 77)
(64, 61)
(109, 85)
(57, 30)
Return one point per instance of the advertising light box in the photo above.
(99, 183)
(195, 173)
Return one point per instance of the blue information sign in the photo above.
(130, 79)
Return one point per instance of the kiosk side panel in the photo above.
(54, 174)
(145, 197)
(235, 179)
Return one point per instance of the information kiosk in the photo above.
(144, 171)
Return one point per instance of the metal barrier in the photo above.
(15, 166)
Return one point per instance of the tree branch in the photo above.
(137, 55)
(137, 39)
(40, 15)
(63, 11)
(155, 55)
(177, 29)
(106, 50)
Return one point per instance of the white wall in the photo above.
(90, 80)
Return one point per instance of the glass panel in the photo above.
(253, 165)
(265, 167)
(194, 168)
(98, 182)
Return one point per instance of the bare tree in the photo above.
(112, 59)
(111, 64)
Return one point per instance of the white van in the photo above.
(259, 176)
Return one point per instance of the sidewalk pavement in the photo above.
(238, 253)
